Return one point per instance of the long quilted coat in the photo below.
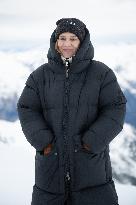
(67, 109)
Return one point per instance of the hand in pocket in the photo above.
(47, 149)
(87, 147)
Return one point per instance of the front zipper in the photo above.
(67, 64)
(67, 72)
(67, 168)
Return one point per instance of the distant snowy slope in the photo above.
(121, 58)
(12, 74)
(123, 155)
(11, 133)
(15, 68)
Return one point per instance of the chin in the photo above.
(67, 56)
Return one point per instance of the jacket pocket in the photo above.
(89, 168)
(47, 170)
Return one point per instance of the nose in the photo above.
(67, 42)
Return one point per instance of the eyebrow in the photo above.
(69, 36)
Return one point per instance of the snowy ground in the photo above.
(17, 176)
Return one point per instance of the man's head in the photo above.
(69, 34)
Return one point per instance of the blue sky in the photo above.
(31, 22)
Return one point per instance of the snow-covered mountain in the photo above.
(123, 155)
(15, 66)
(122, 59)
(14, 70)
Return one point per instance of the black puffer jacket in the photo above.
(87, 107)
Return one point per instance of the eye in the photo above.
(73, 39)
(62, 38)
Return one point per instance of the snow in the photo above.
(126, 194)
(17, 165)
(120, 58)
(121, 152)
(14, 71)
(16, 174)
(15, 67)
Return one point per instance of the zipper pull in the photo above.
(67, 70)
(67, 64)
(68, 176)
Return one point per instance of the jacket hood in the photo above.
(80, 61)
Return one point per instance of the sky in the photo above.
(31, 22)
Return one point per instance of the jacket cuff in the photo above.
(42, 140)
(88, 140)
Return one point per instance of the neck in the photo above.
(66, 59)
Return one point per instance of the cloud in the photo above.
(35, 19)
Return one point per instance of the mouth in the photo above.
(67, 50)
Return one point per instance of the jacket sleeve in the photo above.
(31, 118)
(110, 120)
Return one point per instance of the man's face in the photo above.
(67, 44)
